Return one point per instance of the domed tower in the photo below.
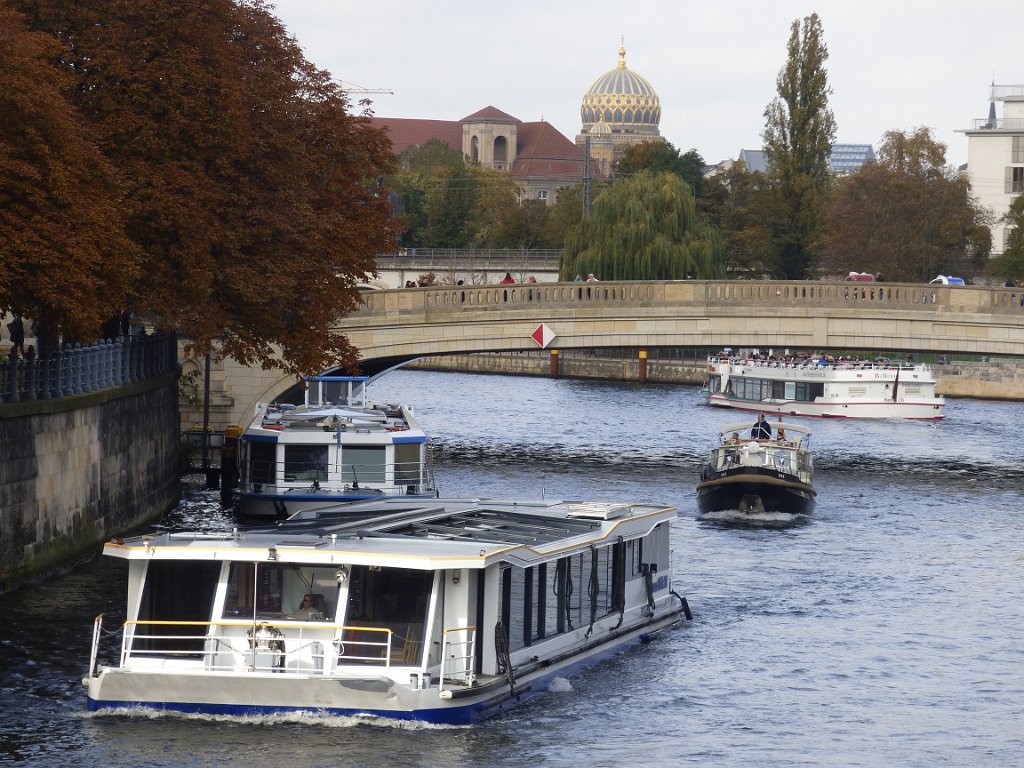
(622, 103)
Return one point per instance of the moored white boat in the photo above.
(444, 611)
(336, 446)
(860, 390)
(749, 474)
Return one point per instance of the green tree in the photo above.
(909, 216)
(798, 137)
(1010, 263)
(644, 227)
(66, 261)
(250, 191)
(739, 203)
(659, 156)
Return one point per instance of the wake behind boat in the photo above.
(444, 611)
(816, 387)
(750, 471)
(337, 446)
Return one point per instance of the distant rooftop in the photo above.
(844, 160)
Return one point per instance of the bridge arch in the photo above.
(403, 324)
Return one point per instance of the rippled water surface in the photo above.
(884, 630)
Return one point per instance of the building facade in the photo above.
(619, 110)
(995, 158)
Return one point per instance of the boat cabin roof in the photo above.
(412, 533)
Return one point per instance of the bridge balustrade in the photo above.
(903, 296)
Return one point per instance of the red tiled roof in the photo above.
(409, 132)
(542, 151)
(490, 114)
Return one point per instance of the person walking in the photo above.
(17, 329)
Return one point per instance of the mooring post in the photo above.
(554, 363)
(643, 366)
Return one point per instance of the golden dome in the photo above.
(623, 100)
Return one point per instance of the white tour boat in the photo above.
(445, 611)
(861, 390)
(754, 472)
(337, 446)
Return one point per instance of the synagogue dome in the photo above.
(623, 100)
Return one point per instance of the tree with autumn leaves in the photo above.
(908, 216)
(241, 202)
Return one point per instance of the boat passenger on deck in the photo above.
(762, 430)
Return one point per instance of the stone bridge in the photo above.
(396, 326)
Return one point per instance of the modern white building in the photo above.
(995, 157)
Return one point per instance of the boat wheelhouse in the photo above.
(866, 390)
(445, 611)
(765, 474)
(337, 446)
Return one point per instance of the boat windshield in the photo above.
(278, 591)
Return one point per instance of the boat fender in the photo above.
(501, 651)
(686, 605)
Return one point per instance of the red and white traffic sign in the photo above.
(543, 335)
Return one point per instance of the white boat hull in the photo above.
(850, 409)
(391, 696)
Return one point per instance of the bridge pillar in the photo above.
(643, 366)
(554, 363)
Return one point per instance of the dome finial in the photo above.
(622, 52)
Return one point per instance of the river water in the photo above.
(884, 630)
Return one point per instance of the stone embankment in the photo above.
(997, 379)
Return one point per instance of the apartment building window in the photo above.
(542, 194)
(1018, 150)
(1014, 180)
(1006, 237)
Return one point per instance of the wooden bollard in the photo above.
(554, 363)
(643, 366)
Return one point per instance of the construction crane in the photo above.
(353, 88)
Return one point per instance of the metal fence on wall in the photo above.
(79, 369)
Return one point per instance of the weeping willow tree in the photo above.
(645, 227)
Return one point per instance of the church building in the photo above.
(619, 110)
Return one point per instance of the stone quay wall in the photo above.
(77, 470)
(996, 379)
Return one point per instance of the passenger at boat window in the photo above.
(307, 610)
(781, 437)
(734, 437)
(762, 430)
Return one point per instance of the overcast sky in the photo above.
(893, 64)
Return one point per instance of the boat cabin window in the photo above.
(176, 590)
(305, 462)
(364, 464)
(766, 389)
(395, 599)
(276, 591)
(262, 464)
(553, 598)
(408, 464)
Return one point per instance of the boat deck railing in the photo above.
(288, 648)
(458, 656)
(779, 455)
(815, 364)
(404, 477)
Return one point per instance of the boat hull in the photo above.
(924, 410)
(392, 697)
(748, 489)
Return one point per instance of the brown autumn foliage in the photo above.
(249, 189)
(907, 216)
(64, 258)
